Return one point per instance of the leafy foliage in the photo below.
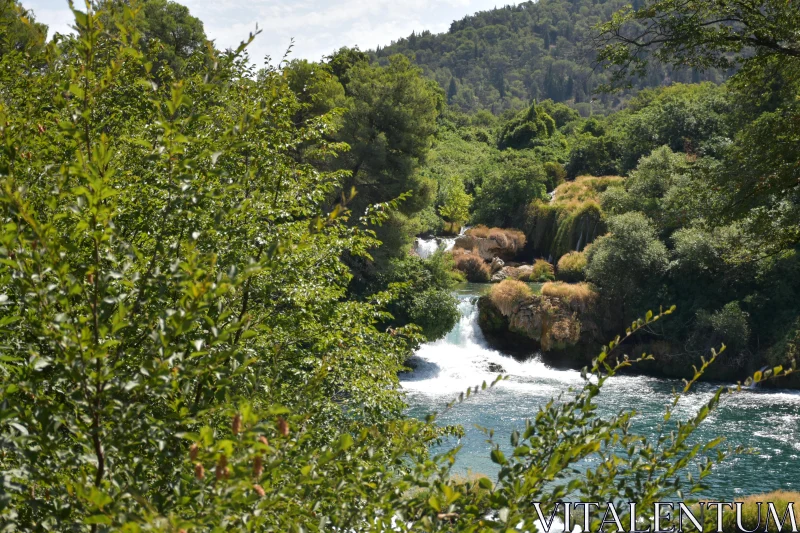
(527, 129)
(504, 58)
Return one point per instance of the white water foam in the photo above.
(463, 359)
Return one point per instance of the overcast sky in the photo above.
(317, 26)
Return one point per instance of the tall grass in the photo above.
(508, 238)
(472, 265)
(541, 271)
(508, 294)
(750, 515)
(585, 188)
(580, 296)
(480, 231)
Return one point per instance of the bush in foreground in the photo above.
(178, 350)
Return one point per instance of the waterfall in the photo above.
(580, 241)
(443, 369)
(463, 358)
(427, 247)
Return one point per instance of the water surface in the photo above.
(766, 421)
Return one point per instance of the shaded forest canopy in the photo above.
(504, 58)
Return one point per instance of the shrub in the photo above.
(480, 231)
(508, 294)
(473, 266)
(628, 262)
(435, 311)
(580, 296)
(556, 174)
(422, 293)
(571, 267)
(527, 129)
(750, 511)
(730, 325)
(541, 271)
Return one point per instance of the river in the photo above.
(765, 421)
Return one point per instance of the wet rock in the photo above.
(504, 273)
(495, 368)
(497, 265)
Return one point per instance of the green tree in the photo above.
(528, 129)
(19, 32)
(718, 33)
(454, 202)
(627, 261)
(452, 90)
(168, 31)
(388, 122)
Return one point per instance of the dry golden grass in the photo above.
(750, 518)
(517, 237)
(584, 189)
(512, 239)
(508, 294)
(472, 265)
(580, 296)
(479, 231)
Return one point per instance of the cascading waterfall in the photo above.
(765, 420)
(464, 358)
(427, 247)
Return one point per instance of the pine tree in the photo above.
(452, 90)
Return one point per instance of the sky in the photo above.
(318, 26)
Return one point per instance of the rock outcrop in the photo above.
(489, 244)
(565, 337)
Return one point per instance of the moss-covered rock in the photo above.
(540, 323)
(496, 330)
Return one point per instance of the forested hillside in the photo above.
(503, 58)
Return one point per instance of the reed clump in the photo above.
(750, 514)
(581, 297)
(480, 231)
(472, 265)
(508, 294)
(539, 271)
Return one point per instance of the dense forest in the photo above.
(208, 288)
(502, 59)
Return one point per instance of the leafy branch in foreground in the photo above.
(700, 34)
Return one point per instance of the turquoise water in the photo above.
(767, 422)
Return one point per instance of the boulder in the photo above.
(504, 273)
(549, 321)
(488, 248)
(497, 369)
(497, 265)
(522, 272)
(495, 329)
(565, 338)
